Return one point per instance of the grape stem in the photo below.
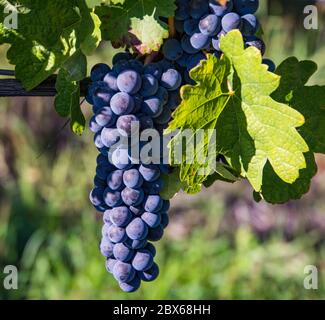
(151, 57)
(171, 27)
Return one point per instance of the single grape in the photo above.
(250, 25)
(123, 272)
(107, 216)
(243, 7)
(164, 117)
(103, 169)
(122, 252)
(137, 229)
(165, 206)
(105, 117)
(143, 260)
(191, 26)
(154, 69)
(96, 196)
(115, 180)
(98, 141)
(131, 286)
(152, 107)
(110, 136)
(122, 103)
(216, 43)
(172, 49)
(116, 234)
(153, 203)
(149, 172)
(231, 21)
(151, 219)
(187, 46)
(120, 216)
(198, 8)
(132, 178)
(137, 66)
(110, 263)
(200, 41)
(155, 234)
(151, 274)
(151, 248)
(129, 81)
(174, 100)
(163, 95)
(120, 159)
(121, 56)
(146, 122)
(101, 159)
(270, 64)
(171, 79)
(112, 198)
(111, 80)
(99, 71)
(132, 197)
(149, 86)
(101, 98)
(210, 25)
(98, 182)
(106, 248)
(94, 126)
(127, 125)
(164, 220)
(255, 42)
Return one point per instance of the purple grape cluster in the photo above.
(200, 25)
(126, 190)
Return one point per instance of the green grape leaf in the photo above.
(51, 35)
(76, 66)
(89, 32)
(267, 129)
(232, 96)
(171, 184)
(45, 38)
(200, 108)
(93, 3)
(67, 101)
(149, 41)
(117, 19)
(274, 190)
(308, 100)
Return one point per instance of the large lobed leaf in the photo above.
(51, 35)
(257, 134)
(136, 15)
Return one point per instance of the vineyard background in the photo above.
(220, 244)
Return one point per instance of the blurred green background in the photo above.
(219, 244)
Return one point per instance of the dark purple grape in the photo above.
(143, 260)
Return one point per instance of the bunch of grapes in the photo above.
(200, 25)
(127, 189)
